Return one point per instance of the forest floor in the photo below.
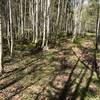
(62, 73)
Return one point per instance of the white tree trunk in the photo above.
(22, 23)
(0, 46)
(37, 7)
(41, 24)
(48, 22)
(33, 19)
(44, 28)
(80, 16)
(11, 33)
(25, 16)
(8, 35)
(98, 25)
(58, 13)
(77, 18)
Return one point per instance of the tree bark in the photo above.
(48, 23)
(33, 19)
(0, 46)
(44, 28)
(37, 7)
(97, 25)
(22, 23)
(11, 33)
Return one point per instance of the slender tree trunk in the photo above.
(22, 23)
(58, 20)
(8, 35)
(0, 46)
(58, 13)
(25, 16)
(48, 23)
(95, 64)
(80, 16)
(33, 19)
(44, 28)
(11, 33)
(97, 25)
(41, 17)
(66, 17)
(37, 7)
(77, 18)
(30, 15)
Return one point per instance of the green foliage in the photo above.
(31, 45)
(89, 14)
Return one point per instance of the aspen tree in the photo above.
(25, 15)
(0, 45)
(98, 24)
(58, 12)
(22, 23)
(8, 35)
(8, 30)
(29, 18)
(19, 20)
(66, 16)
(11, 33)
(44, 28)
(33, 19)
(77, 18)
(37, 7)
(80, 15)
(41, 18)
(48, 22)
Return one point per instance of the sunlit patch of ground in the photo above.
(56, 74)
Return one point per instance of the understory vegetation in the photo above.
(49, 50)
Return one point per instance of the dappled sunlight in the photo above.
(58, 73)
(49, 49)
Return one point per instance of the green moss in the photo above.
(89, 97)
(31, 45)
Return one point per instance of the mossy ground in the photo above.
(56, 74)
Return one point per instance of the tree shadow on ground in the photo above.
(11, 79)
(64, 65)
(85, 89)
(63, 69)
(5, 82)
(65, 92)
(68, 84)
(64, 95)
